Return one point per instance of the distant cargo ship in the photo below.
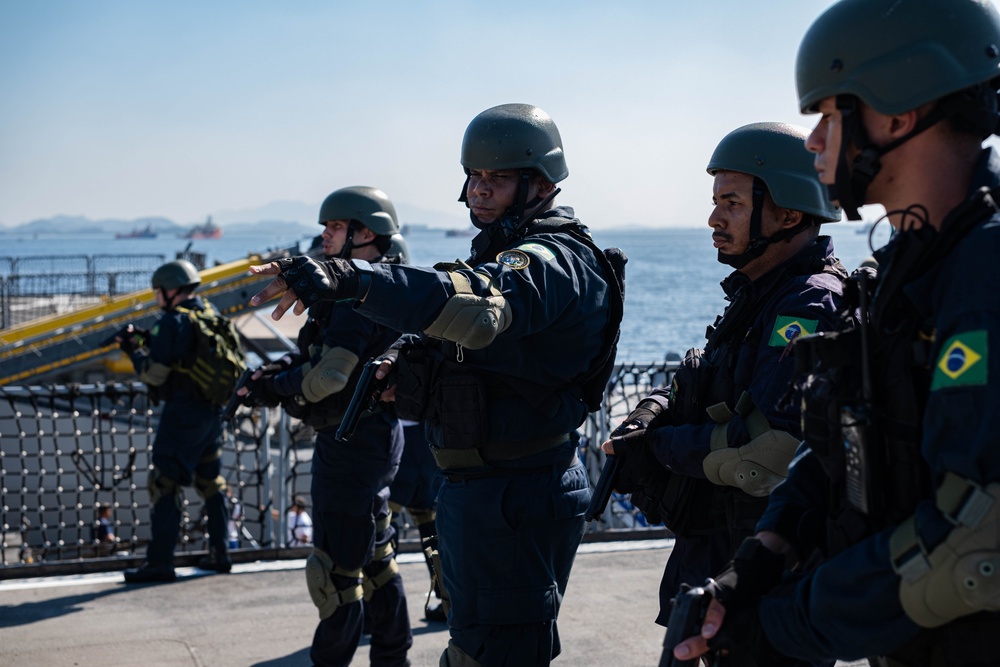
(209, 230)
(146, 233)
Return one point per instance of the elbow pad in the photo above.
(329, 375)
(155, 374)
(756, 467)
(470, 320)
(960, 576)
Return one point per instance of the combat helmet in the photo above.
(361, 205)
(775, 155)
(514, 136)
(369, 206)
(178, 273)
(896, 55)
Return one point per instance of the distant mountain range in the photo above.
(296, 217)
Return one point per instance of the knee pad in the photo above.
(324, 593)
(456, 657)
(377, 576)
(207, 488)
(422, 516)
(159, 486)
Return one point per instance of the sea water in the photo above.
(672, 276)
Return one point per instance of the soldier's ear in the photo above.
(790, 218)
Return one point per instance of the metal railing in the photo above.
(67, 450)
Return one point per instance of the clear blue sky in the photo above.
(131, 108)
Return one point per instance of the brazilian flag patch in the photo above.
(787, 329)
(963, 363)
(538, 249)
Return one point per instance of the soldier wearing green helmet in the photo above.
(352, 572)
(888, 519)
(703, 454)
(507, 353)
(188, 443)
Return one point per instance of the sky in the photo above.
(132, 108)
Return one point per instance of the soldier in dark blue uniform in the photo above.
(715, 448)
(901, 459)
(188, 444)
(352, 570)
(502, 374)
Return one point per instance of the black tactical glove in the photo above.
(276, 367)
(752, 572)
(743, 638)
(312, 281)
(133, 339)
(262, 394)
(639, 418)
(638, 465)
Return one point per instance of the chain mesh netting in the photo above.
(65, 451)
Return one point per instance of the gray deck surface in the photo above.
(261, 615)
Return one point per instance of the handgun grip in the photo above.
(602, 492)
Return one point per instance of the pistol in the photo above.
(236, 400)
(605, 485)
(366, 397)
(686, 616)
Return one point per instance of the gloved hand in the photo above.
(311, 281)
(645, 412)
(638, 465)
(743, 637)
(262, 393)
(132, 339)
(752, 572)
(275, 367)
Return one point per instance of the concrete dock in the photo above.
(260, 615)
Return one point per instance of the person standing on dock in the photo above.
(509, 352)
(188, 444)
(352, 570)
(703, 455)
(884, 541)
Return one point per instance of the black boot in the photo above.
(148, 574)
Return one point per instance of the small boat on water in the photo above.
(145, 233)
(209, 230)
(471, 231)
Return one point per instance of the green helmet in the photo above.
(895, 55)
(178, 273)
(515, 136)
(369, 206)
(398, 247)
(776, 154)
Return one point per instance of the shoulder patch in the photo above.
(514, 259)
(964, 361)
(538, 249)
(156, 329)
(787, 329)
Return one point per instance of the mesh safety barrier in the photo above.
(66, 451)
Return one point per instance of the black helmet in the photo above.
(515, 136)
(178, 273)
(896, 55)
(369, 206)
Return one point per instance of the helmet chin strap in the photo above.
(853, 177)
(349, 244)
(758, 242)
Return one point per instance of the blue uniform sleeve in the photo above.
(960, 423)
(764, 367)
(170, 340)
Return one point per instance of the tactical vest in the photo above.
(865, 390)
(691, 506)
(433, 386)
